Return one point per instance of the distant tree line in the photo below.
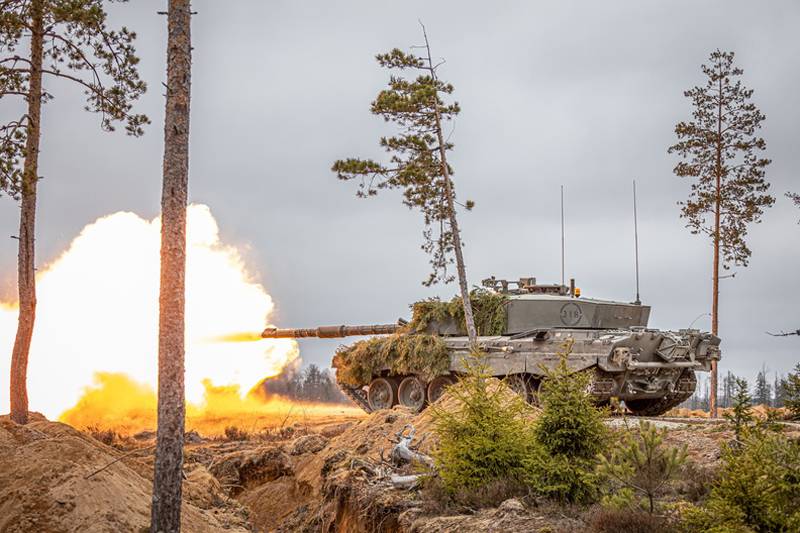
(773, 391)
(312, 384)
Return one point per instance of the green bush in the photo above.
(485, 434)
(488, 435)
(791, 389)
(741, 416)
(641, 462)
(570, 434)
(758, 488)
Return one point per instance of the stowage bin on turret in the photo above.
(522, 331)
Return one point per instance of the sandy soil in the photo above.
(325, 473)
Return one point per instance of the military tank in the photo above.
(523, 327)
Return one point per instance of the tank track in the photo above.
(674, 399)
(358, 396)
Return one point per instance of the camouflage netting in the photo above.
(488, 309)
(412, 350)
(402, 353)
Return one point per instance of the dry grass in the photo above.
(605, 520)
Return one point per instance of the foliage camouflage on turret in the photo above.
(412, 350)
(488, 307)
(403, 353)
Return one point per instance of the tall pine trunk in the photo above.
(26, 266)
(462, 271)
(448, 186)
(166, 509)
(712, 408)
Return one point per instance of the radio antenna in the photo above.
(636, 242)
(562, 235)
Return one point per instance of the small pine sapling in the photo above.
(486, 437)
(741, 414)
(571, 434)
(791, 392)
(643, 464)
(758, 488)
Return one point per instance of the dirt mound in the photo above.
(337, 483)
(44, 487)
(346, 484)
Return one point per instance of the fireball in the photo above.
(94, 348)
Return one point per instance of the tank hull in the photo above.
(651, 370)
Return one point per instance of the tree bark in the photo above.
(712, 404)
(469, 319)
(168, 470)
(26, 266)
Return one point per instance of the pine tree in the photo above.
(571, 433)
(741, 415)
(485, 435)
(720, 152)
(763, 391)
(779, 394)
(44, 40)
(418, 163)
(168, 471)
(727, 389)
(791, 391)
(642, 463)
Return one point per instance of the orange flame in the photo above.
(97, 322)
(118, 403)
(244, 336)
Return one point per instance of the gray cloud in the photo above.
(574, 93)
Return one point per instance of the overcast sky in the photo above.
(580, 94)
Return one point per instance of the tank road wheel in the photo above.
(437, 386)
(411, 393)
(382, 393)
(519, 384)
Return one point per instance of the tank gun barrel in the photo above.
(330, 332)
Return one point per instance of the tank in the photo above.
(523, 327)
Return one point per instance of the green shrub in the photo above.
(570, 433)
(488, 438)
(791, 389)
(484, 433)
(741, 416)
(758, 487)
(641, 462)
